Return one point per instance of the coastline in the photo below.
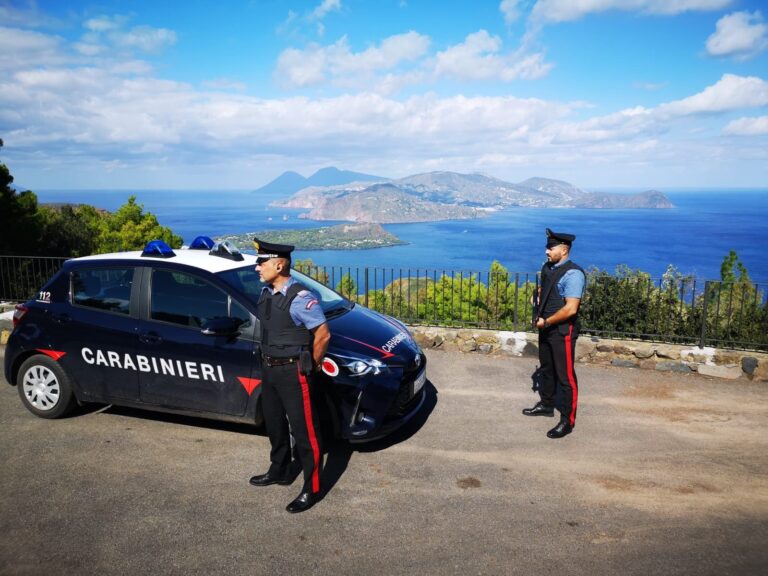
(694, 236)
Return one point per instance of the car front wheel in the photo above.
(44, 387)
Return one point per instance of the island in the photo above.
(341, 237)
(452, 196)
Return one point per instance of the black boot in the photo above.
(303, 501)
(562, 429)
(267, 480)
(539, 410)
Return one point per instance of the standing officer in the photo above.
(294, 338)
(562, 286)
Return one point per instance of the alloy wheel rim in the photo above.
(41, 388)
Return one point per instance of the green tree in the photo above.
(508, 303)
(70, 230)
(20, 222)
(454, 299)
(312, 270)
(347, 287)
(130, 228)
(735, 308)
(727, 272)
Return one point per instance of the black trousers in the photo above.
(286, 392)
(556, 356)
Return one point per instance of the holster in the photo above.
(305, 362)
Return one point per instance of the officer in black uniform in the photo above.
(562, 286)
(294, 338)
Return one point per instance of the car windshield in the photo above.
(247, 281)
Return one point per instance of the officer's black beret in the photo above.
(267, 250)
(556, 238)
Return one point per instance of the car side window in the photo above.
(237, 311)
(103, 289)
(185, 299)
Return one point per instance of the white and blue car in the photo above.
(176, 331)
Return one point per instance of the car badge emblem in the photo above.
(417, 360)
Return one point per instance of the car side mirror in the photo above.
(221, 326)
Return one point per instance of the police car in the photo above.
(176, 331)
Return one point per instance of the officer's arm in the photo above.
(568, 311)
(322, 336)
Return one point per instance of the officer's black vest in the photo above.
(280, 337)
(550, 276)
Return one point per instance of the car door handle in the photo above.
(150, 338)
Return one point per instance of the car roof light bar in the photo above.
(202, 243)
(226, 250)
(157, 249)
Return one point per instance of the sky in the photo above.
(604, 94)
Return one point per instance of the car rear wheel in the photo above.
(44, 387)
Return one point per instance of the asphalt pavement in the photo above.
(664, 474)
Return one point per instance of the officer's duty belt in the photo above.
(272, 361)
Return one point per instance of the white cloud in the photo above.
(29, 16)
(405, 61)
(337, 62)
(313, 17)
(392, 51)
(104, 32)
(25, 49)
(757, 126)
(299, 68)
(510, 10)
(326, 6)
(731, 92)
(77, 114)
(479, 58)
(740, 34)
(105, 23)
(144, 38)
(87, 48)
(225, 84)
(566, 10)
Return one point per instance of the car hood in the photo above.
(372, 335)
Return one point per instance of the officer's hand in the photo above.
(540, 323)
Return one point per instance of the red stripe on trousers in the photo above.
(571, 377)
(311, 432)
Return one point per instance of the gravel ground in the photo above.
(664, 474)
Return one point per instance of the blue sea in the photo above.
(694, 236)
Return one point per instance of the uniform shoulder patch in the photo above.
(309, 298)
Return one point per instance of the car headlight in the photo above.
(362, 367)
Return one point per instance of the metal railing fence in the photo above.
(673, 309)
(22, 276)
(668, 309)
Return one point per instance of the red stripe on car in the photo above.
(249, 383)
(55, 354)
(386, 354)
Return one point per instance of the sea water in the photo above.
(694, 236)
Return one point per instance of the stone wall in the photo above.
(589, 349)
(713, 362)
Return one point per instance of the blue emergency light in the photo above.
(201, 243)
(157, 249)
